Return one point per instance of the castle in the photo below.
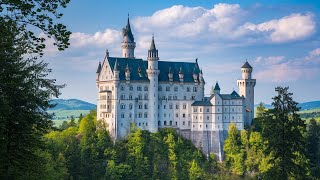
(155, 94)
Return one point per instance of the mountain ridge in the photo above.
(71, 104)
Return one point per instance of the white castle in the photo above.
(155, 94)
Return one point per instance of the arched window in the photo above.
(176, 88)
(171, 106)
(167, 88)
(130, 106)
(195, 89)
(131, 88)
(122, 106)
(122, 97)
(184, 106)
(140, 106)
(188, 89)
(139, 88)
(146, 96)
(130, 96)
(145, 115)
(145, 106)
(165, 123)
(122, 88)
(170, 123)
(146, 88)
(177, 106)
(159, 123)
(140, 115)
(122, 115)
(140, 97)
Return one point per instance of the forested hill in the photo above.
(304, 106)
(72, 104)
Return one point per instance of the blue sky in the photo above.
(280, 39)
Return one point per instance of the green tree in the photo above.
(233, 151)
(313, 147)
(195, 171)
(72, 122)
(173, 160)
(283, 129)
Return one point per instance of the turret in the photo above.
(153, 74)
(170, 75)
(195, 75)
(98, 72)
(216, 89)
(127, 73)
(246, 89)
(181, 75)
(116, 71)
(128, 43)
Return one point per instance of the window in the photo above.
(183, 115)
(188, 123)
(164, 106)
(175, 88)
(167, 88)
(122, 115)
(200, 109)
(175, 97)
(131, 88)
(145, 106)
(121, 88)
(139, 88)
(122, 106)
(160, 88)
(140, 115)
(145, 115)
(130, 96)
(184, 106)
(170, 123)
(122, 97)
(140, 97)
(177, 115)
(165, 123)
(193, 97)
(194, 89)
(207, 117)
(169, 97)
(183, 123)
(146, 96)
(130, 115)
(188, 89)
(159, 123)
(170, 106)
(177, 106)
(146, 88)
(208, 109)
(140, 106)
(194, 109)
(130, 106)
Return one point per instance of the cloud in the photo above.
(280, 69)
(288, 28)
(100, 39)
(315, 52)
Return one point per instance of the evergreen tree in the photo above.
(283, 129)
(313, 147)
(195, 172)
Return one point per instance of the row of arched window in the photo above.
(123, 97)
(140, 106)
(139, 88)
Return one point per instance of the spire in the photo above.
(153, 46)
(115, 65)
(127, 31)
(99, 68)
(216, 87)
(127, 67)
(246, 65)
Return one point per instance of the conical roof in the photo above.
(152, 46)
(216, 87)
(246, 65)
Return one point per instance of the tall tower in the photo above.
(128, 43)
(153, 74)
(246, 89)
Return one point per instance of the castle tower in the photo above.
(115, 83)
(128, 43)
(153, 74)
(246, 89)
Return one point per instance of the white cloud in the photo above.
(101, 39)
(288, 28)
(315, 52)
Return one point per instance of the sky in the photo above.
(280, 39)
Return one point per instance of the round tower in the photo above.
(246, 89)
(128, 43)
(153, 74)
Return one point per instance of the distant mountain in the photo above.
(71, 104)
(304, 106)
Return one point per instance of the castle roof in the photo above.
(127, 31)
(246, 65)
(99, 68)
(153, 46)
(201, 103)
(217, 87)
(138, 69)
(233, 95)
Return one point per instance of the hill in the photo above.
(304, 106)
(71, 104)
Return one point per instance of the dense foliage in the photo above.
(88, 153)
(25, 90)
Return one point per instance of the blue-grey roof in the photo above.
(201, 103)
(216, 87)
(246, 65)
(138, 69)
(233, 95)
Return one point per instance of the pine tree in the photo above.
(313, 147)
(283, 129)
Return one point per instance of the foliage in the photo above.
(313, 147)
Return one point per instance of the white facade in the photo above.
(154, 94)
